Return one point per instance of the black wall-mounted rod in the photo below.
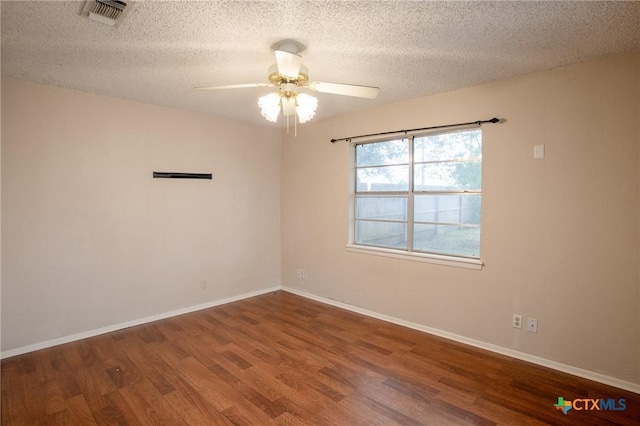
(445, 126)
(177, 175)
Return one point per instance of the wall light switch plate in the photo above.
(538, 152)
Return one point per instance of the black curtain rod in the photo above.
(479, 122)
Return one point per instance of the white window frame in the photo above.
(439, 259)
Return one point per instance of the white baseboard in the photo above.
(586, 374)
(590, 375)
(116, 327)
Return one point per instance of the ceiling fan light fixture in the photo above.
(288, 106)
(270, 106)
(292, 104)
(306, 107)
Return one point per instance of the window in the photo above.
(420, 194)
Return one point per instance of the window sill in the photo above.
(457, 262)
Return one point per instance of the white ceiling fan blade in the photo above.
(288, 63)
(369, 92)
(234, 86)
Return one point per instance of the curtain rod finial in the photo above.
(494, 120)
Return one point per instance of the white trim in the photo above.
(116, 327)
(590, 375)
(458, 262)
(586, 374)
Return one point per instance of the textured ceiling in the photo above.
(407, 48)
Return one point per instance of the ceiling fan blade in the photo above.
(288, 63)
(233, 86)
(369, 92)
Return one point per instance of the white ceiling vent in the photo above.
(110, 12)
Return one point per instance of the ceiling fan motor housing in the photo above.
(278, 79)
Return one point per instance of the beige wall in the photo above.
(560, 236)
(90, 240)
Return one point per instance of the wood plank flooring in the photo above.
(283, 359)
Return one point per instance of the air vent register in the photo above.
(109, 12)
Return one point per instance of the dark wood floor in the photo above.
(283, 359)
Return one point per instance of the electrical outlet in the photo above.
(516, 322)
(532, 325)
(203, 284)
(301, 274)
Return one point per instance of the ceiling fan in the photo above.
(289, 75)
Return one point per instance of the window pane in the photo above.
(382, 153)
(447, 239)
(387, 178)
(445, 172)
(381, 208)
(447, 176)
(463, 208)
(381, 234)
(448, 146)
